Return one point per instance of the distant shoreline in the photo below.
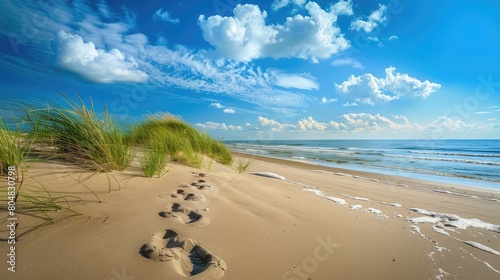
(390, 178)
(459, 162)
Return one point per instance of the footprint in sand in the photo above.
(188, 258)
(201, 185)
(186, 216)
(188, 196)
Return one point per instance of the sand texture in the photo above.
(279, 220)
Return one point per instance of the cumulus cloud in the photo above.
(246, 36)
(220, 106)
(348, 61)
(376, 18)
(377, 124)
(177, 68)
(94, 64)
(310, 123)
(216, 105)
(278, 4)
(164, 16)
(325, 100)
(274, 125)
(293, 81)
(368, 89)
(445, 123)
(219, 126)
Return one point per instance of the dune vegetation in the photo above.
(14, 148)
(76, 133)
(164, 134)
(80, 136)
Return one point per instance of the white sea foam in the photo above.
(475, 223)
(452, 220)
(481, 247)
(355, 197)
(424, 219)
(392, 204)
(268, 174)
(457, 194)
(300, 184)
(373, 210)
(440, 230)
(356, 207)
(442, 274)
(339, 201)
(316, 192)
(441, 249)
(342, 174)
(485, 263)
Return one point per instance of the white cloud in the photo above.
(352, 104)
(104, 9)
(325, 100)
(274, 125)
(245, 36)
(96, 65)
(216, 105)
(219, 126)
(369, 89)
(375, 40)
(164, 16)
(393, 37)
(358, 122)
(348, 62)
(310, 123)
(278, 4)
(293, 81)
(448, 124)
(220, 106)
(133, 58)
(376, 18)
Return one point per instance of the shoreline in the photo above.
(389, 178)
(460, 162)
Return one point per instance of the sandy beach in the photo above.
(278, 220)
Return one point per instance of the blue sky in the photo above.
(283, 69)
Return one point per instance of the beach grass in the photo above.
(242, 166)
(181, 142)
(155, 157)
(74, 132)
(81, 136)
(14, 148)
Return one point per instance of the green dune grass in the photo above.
(181, 142)
(81, 136)
(76, 133)
(14, 148)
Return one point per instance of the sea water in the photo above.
(474, 163)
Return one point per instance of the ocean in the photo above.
(474, 163)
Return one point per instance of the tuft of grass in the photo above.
(82, 137)
(14, 148)
(154, 160)
(181, 142)
(242, 166)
